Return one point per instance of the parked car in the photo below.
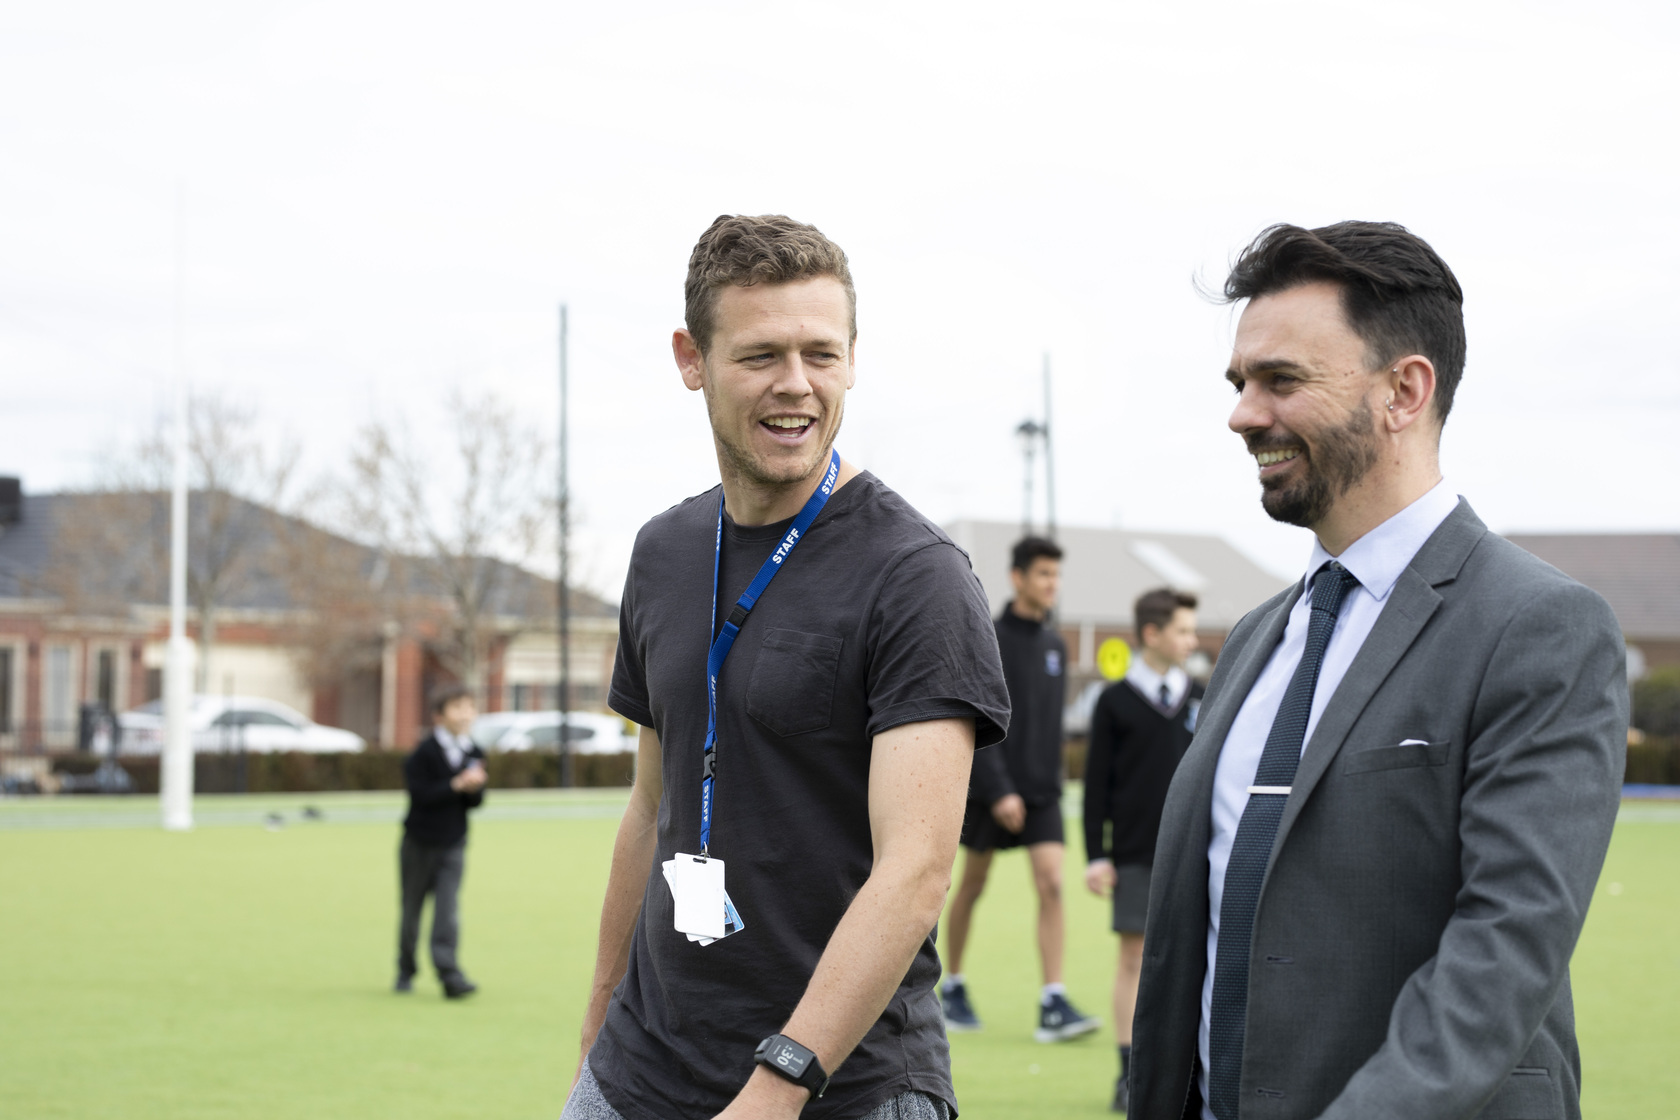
(588, 732)
(231, 723)
(487, 728)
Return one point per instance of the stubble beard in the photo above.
(1340, 458)
(755, 470)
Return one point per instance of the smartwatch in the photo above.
(792, 1061)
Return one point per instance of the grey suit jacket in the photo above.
(1412, 939)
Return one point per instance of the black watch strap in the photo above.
(793, 1061)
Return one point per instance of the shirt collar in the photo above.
(1377, 559)
(1141, 674)
(449, 742)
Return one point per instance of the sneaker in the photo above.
(1122, 1097)
(404, 985)
(959, 1016)
(1060, 1020)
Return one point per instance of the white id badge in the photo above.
(697, 892)
(732, 923)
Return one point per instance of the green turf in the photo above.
(239, 972)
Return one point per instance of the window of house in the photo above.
(60, 695)
(106, 678)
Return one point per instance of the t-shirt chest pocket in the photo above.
(792, 687)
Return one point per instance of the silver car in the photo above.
(231, 723)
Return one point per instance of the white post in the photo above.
(175, 773)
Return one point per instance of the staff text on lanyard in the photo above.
(725, 639)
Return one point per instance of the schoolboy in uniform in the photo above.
(445, 779)
(1140, 728)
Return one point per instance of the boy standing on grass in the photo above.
(445, 778)
(1140, 728)
(1015, 793)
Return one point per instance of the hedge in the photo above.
(1656, 761)
(307, 772)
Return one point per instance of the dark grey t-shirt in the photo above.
(876, 620)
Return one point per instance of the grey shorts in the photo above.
(1131, 897)
(587, 1103)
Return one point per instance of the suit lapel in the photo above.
(1410, 605)
(1225, 694)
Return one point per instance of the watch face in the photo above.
(786, 1056)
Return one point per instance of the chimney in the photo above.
(11, 501)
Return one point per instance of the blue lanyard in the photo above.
(725, 641)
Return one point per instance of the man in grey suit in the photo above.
(1376, 857)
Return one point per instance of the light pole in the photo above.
(567, 777)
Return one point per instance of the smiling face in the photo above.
(1307, 401)
(775, 380)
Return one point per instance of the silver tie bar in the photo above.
(1282, 791)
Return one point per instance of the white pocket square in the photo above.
(1414, 742)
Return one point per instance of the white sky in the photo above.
(384, 200)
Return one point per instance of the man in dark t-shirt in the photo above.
(847, 710)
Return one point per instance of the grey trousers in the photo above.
(587, 1103)
(435, 871)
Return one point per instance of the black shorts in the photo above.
(982, 833)
(1131, 897)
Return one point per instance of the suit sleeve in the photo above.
(1099, 776)
(1542, 784)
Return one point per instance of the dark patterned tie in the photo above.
(1166, 695)
(1252, 847)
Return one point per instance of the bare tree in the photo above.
(453, 522)
(113, 549)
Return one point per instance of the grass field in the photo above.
(236, 971)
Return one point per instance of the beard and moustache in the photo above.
(1339, 458)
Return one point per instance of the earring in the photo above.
(1391, 406)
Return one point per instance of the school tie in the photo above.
(1166, 695)
(1252, 847)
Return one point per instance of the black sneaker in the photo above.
(959, 1016)
(404, 985)
(1122, 1097)
(458, 987)
(1060, 1020)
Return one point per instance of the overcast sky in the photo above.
(383, 201)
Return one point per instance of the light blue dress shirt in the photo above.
(1376, 561)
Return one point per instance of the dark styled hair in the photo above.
(768, 249)
(1399, 296)
(444, 695)
(1156, 608)
(1028, 549)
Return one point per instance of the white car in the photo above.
(231, 723)
(588, 732)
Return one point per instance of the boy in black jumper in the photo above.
(445, 778)
(1140, 729)
(1015, 793)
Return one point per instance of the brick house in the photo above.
(310, 619)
